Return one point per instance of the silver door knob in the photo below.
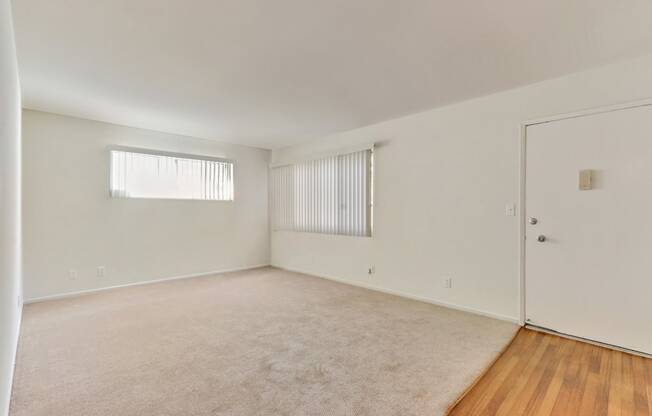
(533, 220)
(541, 238)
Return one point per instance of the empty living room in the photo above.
(310, 208)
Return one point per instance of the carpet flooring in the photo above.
(259, 342)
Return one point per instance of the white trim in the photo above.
(521, 224)
(405, 295)
(323, 155)
(145, 282)
(523, 177)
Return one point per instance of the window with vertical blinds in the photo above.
(332, 195)
(136, 174)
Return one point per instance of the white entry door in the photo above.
(588, 253)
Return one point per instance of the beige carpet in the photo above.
(261, 342)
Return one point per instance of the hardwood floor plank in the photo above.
(627, 388)
(538, 381)
(511, 393)
(602, 399)
(544, 375)
(553, 390)
(576, 383)
(649, 383)
(593, 384)
(615, 384)
(641, 407)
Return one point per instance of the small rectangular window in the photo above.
(145, 174)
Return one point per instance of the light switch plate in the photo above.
(510, 210)
(586, 180)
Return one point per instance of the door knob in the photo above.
(541, 238)
(533, 220)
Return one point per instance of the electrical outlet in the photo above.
(72, 274)
(101, 271)
(510, 210)
(371, 270)
(448, 282)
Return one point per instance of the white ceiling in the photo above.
(271, 73)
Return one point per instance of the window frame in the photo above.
(156, 152)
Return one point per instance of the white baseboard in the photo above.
(145, 282)
(406, 295)
(321, 275)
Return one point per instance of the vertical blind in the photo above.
(332, 195)
(145, 175)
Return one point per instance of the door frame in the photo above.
(523, 178)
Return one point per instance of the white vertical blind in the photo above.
(144, 175)
(330, 195)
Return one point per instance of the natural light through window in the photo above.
(331, 195)
(144, 174)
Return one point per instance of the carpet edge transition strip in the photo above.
(484, 372)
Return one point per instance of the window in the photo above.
(149, 174)
(332, 195)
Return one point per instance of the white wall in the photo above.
(443, 178)
(10, 284)
(70, 222)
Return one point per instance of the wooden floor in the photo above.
(542, 374)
